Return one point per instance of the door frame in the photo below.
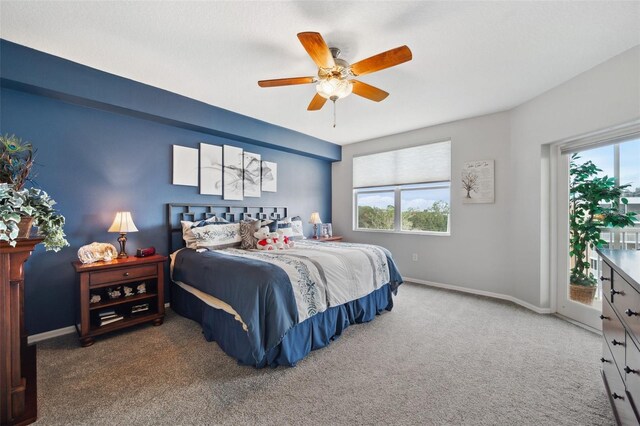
(559, 260)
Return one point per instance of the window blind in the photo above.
(419, 164)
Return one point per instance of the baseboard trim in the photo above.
(482, 293)
(51, 334)
(35, 338)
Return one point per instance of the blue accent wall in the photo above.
(96, 157)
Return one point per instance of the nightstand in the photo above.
(144, 304)
(326, 239)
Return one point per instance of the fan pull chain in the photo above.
(334, 113)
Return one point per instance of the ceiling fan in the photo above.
(335, 75)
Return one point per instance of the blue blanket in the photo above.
(259, 292)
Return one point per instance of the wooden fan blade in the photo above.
(316, 103)
(286, 81)
(367, 91)
(316, 48)
(382, 60)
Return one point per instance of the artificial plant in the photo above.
(594, 204)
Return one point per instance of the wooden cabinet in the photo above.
(18, 405)
(123, 286)
(621, 332)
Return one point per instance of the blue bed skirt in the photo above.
(314, 333)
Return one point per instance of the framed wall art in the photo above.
(269, 176)
(185, 166)
(477, 182)
(210, 169)
(252, 174)
(233, 173)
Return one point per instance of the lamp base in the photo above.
(123, 242)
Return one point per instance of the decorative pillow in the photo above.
(247, 229)
(296, 227)
(187, 234)
(218, 236)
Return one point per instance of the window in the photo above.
(405, 190)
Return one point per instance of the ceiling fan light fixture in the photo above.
(334, 88)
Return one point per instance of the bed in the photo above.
(270, 308)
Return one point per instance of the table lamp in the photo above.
(315, 220)
(123, 224)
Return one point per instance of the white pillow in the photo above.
(217, 236)
(187, 234)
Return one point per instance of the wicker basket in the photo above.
(582, 294)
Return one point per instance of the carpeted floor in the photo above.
(438, 358)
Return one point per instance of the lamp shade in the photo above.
(315, 218)
(123, 223)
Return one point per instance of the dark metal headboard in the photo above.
(195, 212)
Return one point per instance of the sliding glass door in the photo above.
(579, 172)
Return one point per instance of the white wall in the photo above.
(602, 97)
(501, 247)
(476, 253)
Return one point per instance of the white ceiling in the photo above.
(469, 58)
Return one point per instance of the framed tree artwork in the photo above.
(477, 182)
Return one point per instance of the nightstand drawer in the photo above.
(122, 274)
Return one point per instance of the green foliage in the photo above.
(375, 217)
(16, 160)
(18, 203)
(594, 203)
(434, 218)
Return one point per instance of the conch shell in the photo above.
(97, 251)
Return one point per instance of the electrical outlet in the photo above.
(414, 257)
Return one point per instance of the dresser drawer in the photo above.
(606, 275)
(614, 335)
(619, 398)
(627, 303)
(632, 373)
(122, 274)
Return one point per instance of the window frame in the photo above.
(397, 198)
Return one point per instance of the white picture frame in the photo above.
(233, 173)
(477, 182)
(210, 169)
(269, 176)
(185, 166)
(252, 174)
